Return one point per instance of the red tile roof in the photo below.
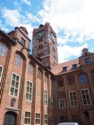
(58, 69)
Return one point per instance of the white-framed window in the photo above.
(45, 119)
(27, 118)
(85, 96)
(37, 118)
(30, 68)
(61, 103)
(3, 50)
(29, 91)
(19, 60)
(1, 71)
(73, 98)
(45, 97)
(14, 85)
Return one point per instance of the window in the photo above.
(63, 119)
(61, 103)
(27, 119)
(85, 97)
(83, 78)
(60, 83)
(37, 118)
(29, 91)
(3, 50)
(70, 80)
(1, 70)
(46, 49)
(14, 85)
(74, 66)
(45, 119)
(30, 68)
(87, 61)
(18, 60)
(39, 74)
(86, 115)
(46, 78)
(52, 101)
(45, 97)
(65, 68)
(52, 120)
(22, 41)
(40, 46)
(75, 118)
(73, 98)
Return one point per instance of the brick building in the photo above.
(35, 89)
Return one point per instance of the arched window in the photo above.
(30, 68)
(19, 60)
(83, 78)
(3, 50)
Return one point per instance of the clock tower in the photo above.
(44, 45)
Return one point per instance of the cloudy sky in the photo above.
(72, 20)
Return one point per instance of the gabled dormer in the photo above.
(86, 57)
(20, 36)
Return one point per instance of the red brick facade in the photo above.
(32, 94)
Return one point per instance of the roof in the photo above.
(58, 69)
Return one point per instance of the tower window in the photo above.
(30, 68)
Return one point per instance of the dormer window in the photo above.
(22, 41)
(87, 61)
(65, 68)
(74, 66)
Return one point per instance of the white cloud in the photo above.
(74, 17)
(65, 52)
(27, 2)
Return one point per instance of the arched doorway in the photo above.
(10, 118)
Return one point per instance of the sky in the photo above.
(72, 20)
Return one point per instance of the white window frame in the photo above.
(73, 99)
(45, 119)
(18, 85)
(63, 104)
(38, 118)
(45, 97)
(1, 72)
(29, 93)
(27, 118)
(86, 98)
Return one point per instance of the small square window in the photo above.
(74, 66)
(65, 68)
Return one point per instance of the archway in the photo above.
(10, 118)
